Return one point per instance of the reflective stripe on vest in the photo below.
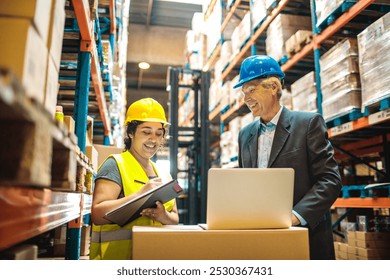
(114, 235)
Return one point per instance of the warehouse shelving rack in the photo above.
(30, 209)
(194, 139)
(89, 69)
(371, 126)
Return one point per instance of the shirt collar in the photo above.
(275, 119)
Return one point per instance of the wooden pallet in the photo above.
(297, 41)
(26, 143)
(351, 115)
(380, 105)
(32, 148)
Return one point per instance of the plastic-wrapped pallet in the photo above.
(212, 28)
(225, 95)
(241, 33)
(374, 61)
(304, 93)
(197, 23)
(324, 8)
(214, 98)
(234, 127)
(225, 144)
(340, 81)
(235, 93)
(286, 99)
(247, 119)
(260, 14)
(226, 53)
(280, 30)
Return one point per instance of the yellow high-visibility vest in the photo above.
(111, 241)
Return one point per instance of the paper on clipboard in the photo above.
(131, 210)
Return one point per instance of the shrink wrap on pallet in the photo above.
(304, 93)
(340, 80)
(324, 8)
(374, 61)
(280, 30)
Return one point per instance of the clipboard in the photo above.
(131, 210)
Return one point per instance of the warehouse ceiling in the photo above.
(148, 17)
(163, 12)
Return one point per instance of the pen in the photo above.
(138, 181)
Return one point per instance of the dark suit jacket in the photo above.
(301, 142)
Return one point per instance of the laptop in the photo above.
(249, 198)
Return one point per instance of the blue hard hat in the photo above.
(258, 66)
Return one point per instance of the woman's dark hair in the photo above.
(131, 127)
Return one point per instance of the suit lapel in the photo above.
(281, 135)
(252, 145)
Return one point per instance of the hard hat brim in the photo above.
(149, 120)
(240, 83)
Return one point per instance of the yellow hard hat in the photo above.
(146, 110)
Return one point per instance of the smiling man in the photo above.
(284, 138)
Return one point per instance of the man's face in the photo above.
(259, 96)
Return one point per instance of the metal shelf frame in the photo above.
(192, 206)
(27, 211)
(89, 55)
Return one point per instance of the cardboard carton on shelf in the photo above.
(24, 53)
(51, 87)
(104, 151)
(35, 11)
(93, 156)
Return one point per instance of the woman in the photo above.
(120, 179)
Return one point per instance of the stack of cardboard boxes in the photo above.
(31, 35)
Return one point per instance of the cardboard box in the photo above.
(70, 123)
(36, 11)
(23, 51)
(26, 151)
(369, 240)
(105, 151)
(56, 31)
(369, 254)
(89, 139)
(52, 86)
(193, 243)
(93, 156)
(20, 252)
(59, 241)
(85, 240)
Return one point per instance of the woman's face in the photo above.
(147, 139)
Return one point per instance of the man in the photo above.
(299, 140)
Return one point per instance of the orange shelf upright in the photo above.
(229, 15)
(356, 202)
(81, 9)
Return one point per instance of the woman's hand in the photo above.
(159, 214)
(151, 184)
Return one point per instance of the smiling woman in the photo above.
(120, 178)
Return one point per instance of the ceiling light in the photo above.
(144, 65)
